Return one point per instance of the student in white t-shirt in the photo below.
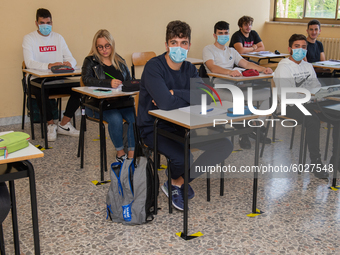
(294, 72)
(218, 58)
(43, 49)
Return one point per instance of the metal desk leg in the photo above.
(82, 138)
(155, 158)
(256, 163)
(102, 137)
(337, 161)
(186, 181)
(14, 218)
(44, 112)
(2, 241)
(34, 207)
(30, 104)
(302, 139)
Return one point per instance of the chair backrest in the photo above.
(202, 72)
(140, 59)
(81, 82)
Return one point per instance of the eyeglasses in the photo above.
(101, 47)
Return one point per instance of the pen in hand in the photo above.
(109, 75)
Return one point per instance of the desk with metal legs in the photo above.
(187, 121)
(11, 174)
(103, 104)
(44, 75)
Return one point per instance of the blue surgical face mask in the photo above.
(222, 39)
(177, 54)
(299, 54)
(45, 29)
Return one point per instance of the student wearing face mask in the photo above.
(103, 67)
(221, 59)
(165, 85)
(43, 49)
(294, 72)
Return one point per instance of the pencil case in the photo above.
(12, 142)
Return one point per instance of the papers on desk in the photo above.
(328, 63)
(118, 89)
(196, 110)
(263, 54)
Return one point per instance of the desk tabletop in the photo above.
(258, 55)
(329, 64)
(89, 91)
(241, 78)
(29, 152)
(48, 73)
(192, 121)
(195, 61)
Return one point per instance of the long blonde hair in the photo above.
(115, 58)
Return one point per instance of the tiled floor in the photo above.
(301, 214)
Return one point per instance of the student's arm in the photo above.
(249, 65)
(322, 56)
(156, 86)
(27, 46)
(217, 69)
(67, 55)
(89, 78)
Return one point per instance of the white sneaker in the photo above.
(68, 129)
(52, 132)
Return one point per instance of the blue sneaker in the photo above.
(191, 192)
(177, 195)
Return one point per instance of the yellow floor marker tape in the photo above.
(234, 151)
(97, 183)
(41, 148)
(189, 237)
(252, 215)
(163, 167)
(335, 188)
(97, 139)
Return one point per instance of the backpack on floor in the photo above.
(130, 199)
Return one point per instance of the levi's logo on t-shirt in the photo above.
(248, 44)
(47, 48)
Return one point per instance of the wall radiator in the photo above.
(331, 47)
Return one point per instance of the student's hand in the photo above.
(54, 64)
(235, 73)
(254, 47)
(153, 101)
(67, 64)
(267, 70)
(115, 83)
(172, 92)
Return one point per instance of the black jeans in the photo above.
(72, 104)
(312, 123)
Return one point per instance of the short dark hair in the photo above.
(296, 37)
(314, 22)
(221, 25)
(178, 29)
(245, 20)
(44, 13)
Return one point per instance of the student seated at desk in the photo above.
(295, 72)
(246, 40)
(43, 49)
(99, 67)
(315, 50)
(165, 85)
(218, 58)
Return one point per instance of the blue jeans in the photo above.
(114, 118)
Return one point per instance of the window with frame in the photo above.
(327, 11)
